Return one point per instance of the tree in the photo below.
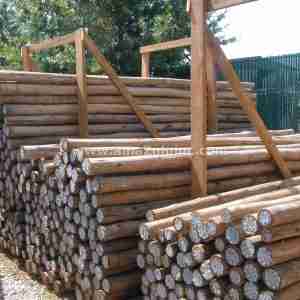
(119, 28)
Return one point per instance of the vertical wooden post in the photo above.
(26, 59)
(146, 65)
(212, 121)
(82, 83)
(199, 99)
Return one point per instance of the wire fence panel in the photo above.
(277, 81)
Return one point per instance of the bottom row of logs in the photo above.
(243, 248)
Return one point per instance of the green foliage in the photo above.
(119, 28)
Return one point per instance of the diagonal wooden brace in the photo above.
(111, 73)
(248, 106)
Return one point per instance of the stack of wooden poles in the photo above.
(243, 244)
(84, 201)
(41, 108)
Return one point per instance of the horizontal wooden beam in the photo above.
(220, 4)
(186, 42)
(51, 43)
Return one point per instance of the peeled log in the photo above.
(282, 276)
(279, 252)
(229, 139)
(253, 193)
(95, 166)
(139, 196)
(236, 208)
(121, 282)
(279, 214)
(281, 232)
(292, 292)
(38, 151)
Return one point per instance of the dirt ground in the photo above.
(15, 284)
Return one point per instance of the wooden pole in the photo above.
(26, 59)
(146, 65)
(82, 83)
(199, 100)
(247, 104)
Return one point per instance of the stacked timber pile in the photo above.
(83, 208)
(17, 171)
(40, 108)
(243, 244)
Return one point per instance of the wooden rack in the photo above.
(83, 42)
(206, 52)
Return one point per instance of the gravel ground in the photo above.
(15, 284)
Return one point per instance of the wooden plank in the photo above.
(55, 42)
(146, 65)
(199, 100)
(186, 42)
(247, 104)
(110, 72)
(82, 84)
(212, 110)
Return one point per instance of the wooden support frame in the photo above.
(55, 42)
(146, 51)
(82, 41)
(204, 89)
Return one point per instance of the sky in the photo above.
(264, 28)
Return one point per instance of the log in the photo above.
(69, 119)
(139, 196)
(94, 166)
(281, 232)
(114, 214)
(213, 141)
(279, 252)
(292, 292)
(63, 79)
(69, 130)
(235, 211)
(118, 230)
(120, 260)
(282, 276)
(223, 198)
(38, 152)
(121, 282)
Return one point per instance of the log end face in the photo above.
(264, 218)
(144, 233)
(264, 256)
(232, 235)
(272, 279)
(249, 225)
(251, 291)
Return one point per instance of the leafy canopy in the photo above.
(119, 28)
